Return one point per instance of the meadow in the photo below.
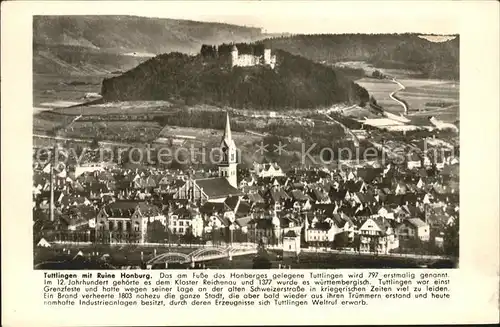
(125, 107)
(120, 131)
(52, 88)
(438, 98)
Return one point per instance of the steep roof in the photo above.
(290, 233)
(255, 197)
(214, 207)
(227, 138)
(243, 209)
(417, 222)
(319, 194)
(242, 222)
(299, 195)
(232, 202)
(127, 208)
(217, 187)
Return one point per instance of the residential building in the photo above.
(126, 221)
(413, 228)
(377, 235)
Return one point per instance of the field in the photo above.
(204, 135)
(52, 88)
(126, 107)
(380, 89)
(41, 125)
(424, 97)
(210, 139)
(120, 131)
(429, 95)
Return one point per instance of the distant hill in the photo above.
(103, 44)
(408, 51)
(295, 83)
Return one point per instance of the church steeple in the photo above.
(227, 139)
(227, 166)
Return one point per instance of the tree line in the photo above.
(408, 51)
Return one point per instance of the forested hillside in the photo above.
(103, 44)
(407, 51)
(295, 83)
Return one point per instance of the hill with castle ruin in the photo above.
(252, 78)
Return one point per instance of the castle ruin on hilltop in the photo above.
(241, 55)
(247, 60)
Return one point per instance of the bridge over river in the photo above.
(201, 255)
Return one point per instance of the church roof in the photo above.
(227, 138)
(217, 187)
(214, 207)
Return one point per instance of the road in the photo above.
(60, 138)
(392, 95)
(74, 120)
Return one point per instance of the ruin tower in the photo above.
(234, 56)
(267, 56)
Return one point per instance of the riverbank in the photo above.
(308, 259)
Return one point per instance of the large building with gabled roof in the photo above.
(216, 189)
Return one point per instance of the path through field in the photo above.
(393, 97)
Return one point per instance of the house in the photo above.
(413, 228)
(262, 231)
(413, 161)
(185, 219)
(217, 216)
(248, 181)
(319, 232)
(377, 235)
(253, 197)
(299, 201)
(401, 188)
(81, 218)
(291, 244)
(267, 170)
(271, 228)
(92, 167)
(276, 197)
(319, 195)
(126, 221)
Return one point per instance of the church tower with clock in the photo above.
(229, 161)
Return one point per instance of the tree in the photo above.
(451, 242)
(188, 237)
(179, 161)
(156, 232)
(341, 240)
(262, 260)
(357, 242)
(95, 144)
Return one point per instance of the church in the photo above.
(216, 189)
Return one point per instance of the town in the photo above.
(375, 208)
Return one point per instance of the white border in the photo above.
(476, 283)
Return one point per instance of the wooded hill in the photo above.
(296, 82)
(405, 51)
(90, 44)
